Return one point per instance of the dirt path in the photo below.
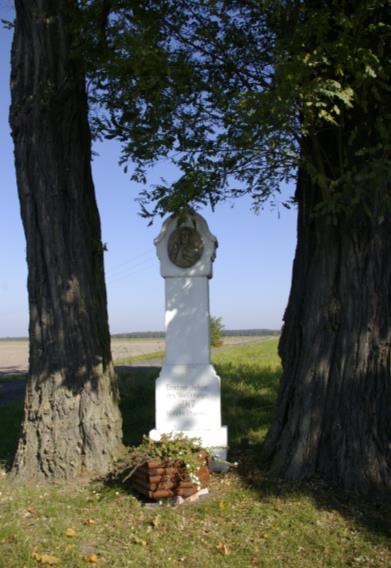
(13, 356)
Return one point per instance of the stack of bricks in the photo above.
(159, 479)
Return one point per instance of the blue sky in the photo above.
(252, 270)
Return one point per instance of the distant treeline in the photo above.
(14, 338)
(250, 332)
(139, 335)
(162, 334)
(226, 332)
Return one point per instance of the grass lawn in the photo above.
(142, 357)
(248, 519)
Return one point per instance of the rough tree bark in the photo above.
(332, 417)
(72, 423)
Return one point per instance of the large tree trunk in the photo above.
(332, 417)
(72, 423)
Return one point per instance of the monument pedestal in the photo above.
(188, 402)
(188, 388)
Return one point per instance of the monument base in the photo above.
(188, 402)
(215, 440)
(188, 398)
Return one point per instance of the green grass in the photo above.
(142, 357)
(138, 403)
(10, 419)
(233, 351)
(248, 519)
(12, 378)
(250, 376)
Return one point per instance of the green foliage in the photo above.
(169, 448)
(216, 331)
(229, 90)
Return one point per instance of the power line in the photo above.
(142, 267)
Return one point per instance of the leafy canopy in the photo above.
(229, 89)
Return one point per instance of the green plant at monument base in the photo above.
(247, 520)
(169, 448)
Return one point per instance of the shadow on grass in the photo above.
(10, 420)
(373, 515)
(137, 385)
(247, 400)
(248, 395)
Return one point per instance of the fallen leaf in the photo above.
(8, 540)
(138, 540)
(224, 548)
(92, 558)
(221, 505)
(46, 559)
(70, 533)
(155, 522)
(89, 522)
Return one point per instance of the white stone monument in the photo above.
(188, 388)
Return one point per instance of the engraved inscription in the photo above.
(186, 398)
